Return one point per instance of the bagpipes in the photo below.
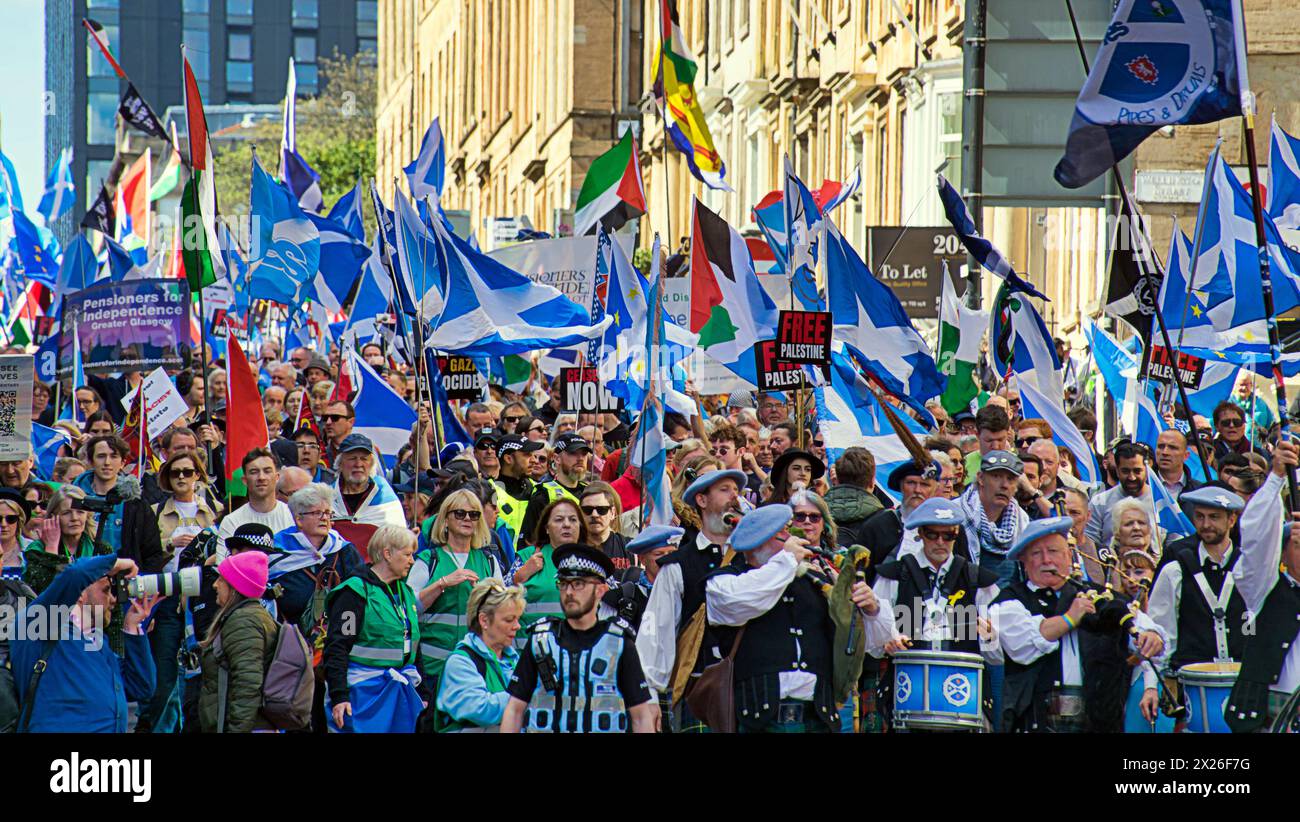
(835, 575)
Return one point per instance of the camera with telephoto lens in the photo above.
(203, 546)
(184, 582)
(95, 505)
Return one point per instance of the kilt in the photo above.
(791, 718)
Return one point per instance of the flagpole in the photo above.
(203, 372)
(1152, 285)
(1261, 242)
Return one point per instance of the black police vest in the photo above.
(914, 589)
(794, 635)
(1277, 628)
(1103, 657)
(1196, 641)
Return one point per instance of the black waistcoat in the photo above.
(696, 565)
(1277, 628)
(1195, 618)
(1103, 658)
(794, 635)
(960, 586)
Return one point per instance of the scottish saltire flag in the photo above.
(1161, 63)
(287, 248)
(46, 442)
(421, 281)
(954, 208)
(341, 257)
(60, 190)
(729, 310)
(428, 171)
(120, 261)
(875, 329)
(374, 297)
(1034, 404)
(487, 309)
(381, 413)
(449, 430)
(1182, 309)
(31, 252)
(674, 87)
(848, 414)
(1283, 178)
(301, 178)
(802, 223)
(833, 193)
(1019, 338)
(648, 450)
(347, 212)
(11, 196)
(1116, 366)
(1228, 270)
(1169, 515)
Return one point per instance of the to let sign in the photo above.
(804, 337)
(1191, 369)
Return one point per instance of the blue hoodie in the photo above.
(86, 686)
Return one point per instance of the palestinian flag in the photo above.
(200, 250)
(612, 194)
(960, 332)
(729, 309)
(100, 37)
(245, 419)
(171, 175)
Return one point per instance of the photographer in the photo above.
(181, 516)
(75, 682)
(130, 527)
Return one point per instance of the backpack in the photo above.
(288, 686)
(14, 596)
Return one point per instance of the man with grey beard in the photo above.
(676, 604)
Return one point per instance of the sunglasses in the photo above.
(1025, 442)
(463, 514)
(1230, 423)
(597, 510)
(334, 417)
(512, 420)
(801, 516)
(9, 519)
(937, 537)
(183, 473)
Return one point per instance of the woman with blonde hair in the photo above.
(14, 512)
(453, 556)
(472, 694)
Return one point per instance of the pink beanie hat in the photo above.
(246, 573)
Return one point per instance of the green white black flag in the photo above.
(960, 332)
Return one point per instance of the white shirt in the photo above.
(1024, 643)
(735, 600)
(1261, 554)
(277, 519)
(935, 626)
(1167, 594)
(656, 641)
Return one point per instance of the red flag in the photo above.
(343, 386)
(306, 419)
(245, 420)
(135, 430)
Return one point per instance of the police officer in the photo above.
(1195, 598)
(579, 674)
(572, 456)
(627, 600)
(514, 488)
(1061, 643)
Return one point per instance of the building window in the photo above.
(239, 77)
(239, 11)
(92, 5)
(369, 45)
(239, 46)
(197, 6)
(307, 77)
(101, 117)
(950, 134)
(306, 12)
(367, 18)
(96, 173)
(304, 48)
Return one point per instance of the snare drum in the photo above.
(1207, 685)
(938, 691)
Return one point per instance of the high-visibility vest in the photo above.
(543, 597)
(443, 623)
(512, 510)
(387, 635)
(586, 698)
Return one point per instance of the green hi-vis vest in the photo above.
(493, 678)
(512, 510)
(387, 637)
(543, 597)
(443, 623)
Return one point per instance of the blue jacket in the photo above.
(86, 686)
(462, 691)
